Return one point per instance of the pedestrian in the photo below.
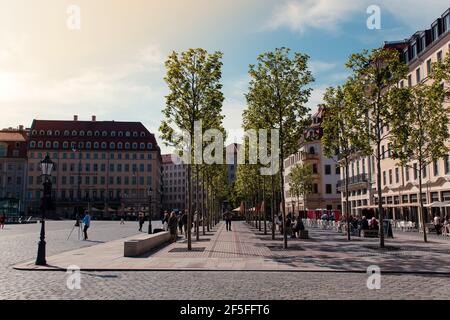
(228, 218)
(2, 221)
(373, 224)
(165, 221)
(437, 224)
(141, 220)
(180, 223)
(195, 221)
(184, 220)
(87, 224)
(122, 220)
(173, 224)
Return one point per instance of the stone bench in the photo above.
(369, 233)
(137, 247)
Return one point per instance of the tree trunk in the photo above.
(189, 220)
(264, 202)
(422, 215)
(347, 205)
(380, 202)
(273, 206)
(197, 200)
(202, 204)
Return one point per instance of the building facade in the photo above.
(174, 174)
(326, 172)
(13, 170)
(400, 185)
(105, 165)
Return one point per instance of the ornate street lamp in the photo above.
(46, 167)
(149, 194)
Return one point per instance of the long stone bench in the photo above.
(369, 233)
(137, 247)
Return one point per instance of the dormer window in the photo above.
(66, 133)
(435, 32)
(42, 132)
(127, 134)
(89, 133)
(81, 133)
(414, 50)
(74, 133)
(120, 134)
(49, 132)
(34, 132)
(97, 134)
(104, 134)
(142, 134)
(446, 20)
(135, 134)
(57, 133)
(113, 133)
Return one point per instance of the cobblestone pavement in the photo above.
(19, 243)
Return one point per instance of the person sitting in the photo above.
(298, 226)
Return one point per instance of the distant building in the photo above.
(173, 183)
(107, 165)
(13, 170)
(231, 158)
(326, 172)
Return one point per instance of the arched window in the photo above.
(57, 133)
(89, 133)
(142, 145)
(96, 133)
(135, 134)
(127, 134)
(49, 132)
(112, 145)
(120, 134)
(120, 145)
(65, 145)
(48, 144)
(74, 133)
(104, 134)
(55, 145)
(312, 150)
(142, 134)
(149, 146)
(135, 145)
(73, 145)
(88, 145)
(81, 133)
(42, 132)
(33, 144)
(34, 132)
(127, 145)
(113, 133)
(40, 144)
(104, 145)
(96, 145)
(66, 133)
(80, 145)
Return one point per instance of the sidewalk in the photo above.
(248, 249)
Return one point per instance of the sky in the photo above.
(113, 65)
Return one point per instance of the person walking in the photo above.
(122, 220)
(195, 222)
(184, 220)
(180, 223)
(87, 223)
(165, 221)
(2, 221)
(228, 217)
(141, 221)
(173, 226)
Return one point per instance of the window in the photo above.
(135, 134)
(96, 133)
(415, 171)
(89, 133)
(315, 188)
(81, 133)
(446, 164)
(423, 43)
(55, 145)
(88, 145)
(429, 67)
(314, 167)
(397, 175)
(135, 146)
(409, 81)
(390, 176)
(402, 84)
(120, 145)
(414, 50)
(439, 56)
(418, 75)
(74, 133)
(33, 144)
(446, 23)
(104, 134)
(382, 152)
(435, 32)
(312, 150)
(328, 189)
(142, 146)
(384, 177)
(104, 145)
(127, 145)
(96, 145)
(424, 173)
(338, 170)
(127, 134)
(112, 145)
(407, 173)
(40, 144)
(435, 168)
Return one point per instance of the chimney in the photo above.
(75, 118)
(94, 118)
(21, 128)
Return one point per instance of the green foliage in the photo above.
(300, 180)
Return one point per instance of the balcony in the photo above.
(359, 180)
(305, 156)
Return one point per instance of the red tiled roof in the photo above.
(12, 136)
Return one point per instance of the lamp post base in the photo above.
(40, 260)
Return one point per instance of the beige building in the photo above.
(174, 174)
(400, 184)
(106, 165)
(326, 172)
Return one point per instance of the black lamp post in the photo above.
(46, 167)
(150, 211)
